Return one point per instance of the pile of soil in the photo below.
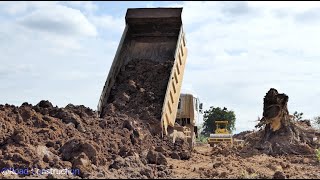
(207, 162)
(73, 137)
(242, 135)
(139, 92)
(124, 143)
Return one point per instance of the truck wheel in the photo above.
(192, 141)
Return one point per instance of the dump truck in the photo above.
(155, 34)
(221, 134)
(189, 109)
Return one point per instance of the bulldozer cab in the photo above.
(221, 127)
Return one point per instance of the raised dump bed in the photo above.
(152, 36)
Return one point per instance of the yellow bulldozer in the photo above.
(221, 135)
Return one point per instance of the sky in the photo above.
(237, 51)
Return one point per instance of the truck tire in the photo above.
(194, 138)
(192, 141)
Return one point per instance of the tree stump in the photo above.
(279, 133)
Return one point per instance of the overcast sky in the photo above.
(62, 52)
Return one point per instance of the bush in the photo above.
(318, 154)
(202, 138)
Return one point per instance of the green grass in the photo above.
(318, 154)
(202, 138)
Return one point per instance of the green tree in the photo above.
(297, 116)
(201, 137)
(217, 114)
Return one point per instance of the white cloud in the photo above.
(108, 22)
(47, 26)
(52, 52)
(16, 8)
(295, 6)
(88, 6)
(13, 8)
(60, 20)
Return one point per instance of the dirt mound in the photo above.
(141, 83)
(46, 137)
(242, 135)
(146, 90)
(279, 133)
(304, 123)
(208, 163)
(125, 140)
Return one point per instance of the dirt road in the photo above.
(206, 162)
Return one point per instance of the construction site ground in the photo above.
(211, 162)
(47, 137)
